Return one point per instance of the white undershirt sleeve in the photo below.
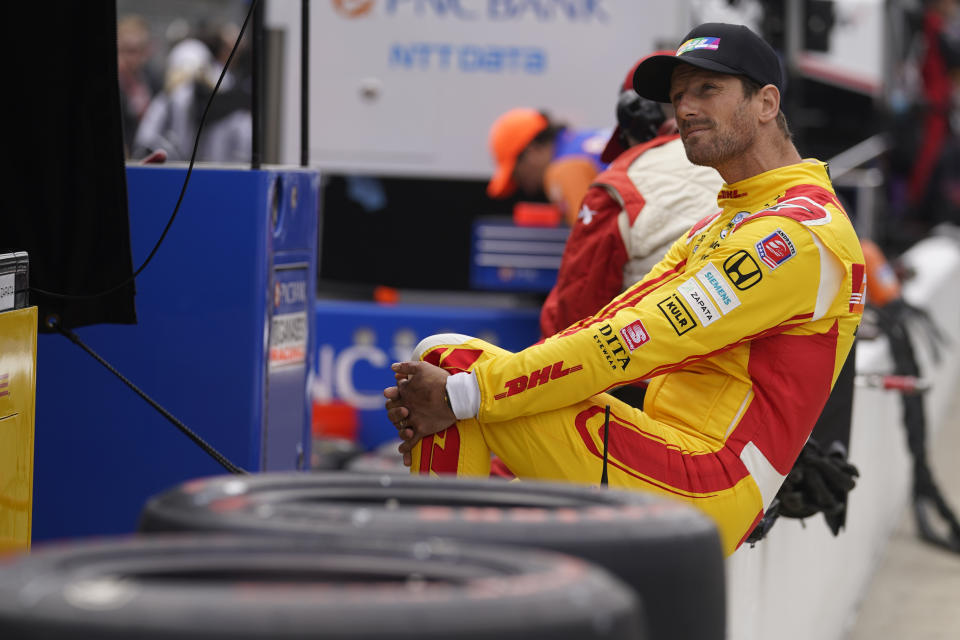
(464, 393)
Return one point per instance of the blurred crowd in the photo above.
(924, 167)
(166, 83)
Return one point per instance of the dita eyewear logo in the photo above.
(677, 313)
(742, 270)
(611, 348)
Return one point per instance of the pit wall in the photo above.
(801, 582)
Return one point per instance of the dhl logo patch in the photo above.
(538, 377)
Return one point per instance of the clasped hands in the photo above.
(417, 405)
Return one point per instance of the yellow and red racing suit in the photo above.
(743, 328)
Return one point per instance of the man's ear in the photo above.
(769, 103)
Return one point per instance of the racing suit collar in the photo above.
(763, 189)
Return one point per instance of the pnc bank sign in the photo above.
(475, 10)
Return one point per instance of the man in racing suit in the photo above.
(631, 214)
(743, 326)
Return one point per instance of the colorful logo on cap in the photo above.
(699, 43)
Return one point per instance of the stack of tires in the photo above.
(350, 555)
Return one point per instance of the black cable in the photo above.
(257, 83)
(606, 433)
(187, 431)
(893, 321)
(183, 189)
(304, 83)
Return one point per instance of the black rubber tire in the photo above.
(191, 587)
(668, 551)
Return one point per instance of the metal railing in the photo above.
(847, 171)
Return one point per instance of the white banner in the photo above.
(410, 87)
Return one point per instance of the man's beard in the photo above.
(725, 144)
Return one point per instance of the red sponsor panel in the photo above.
(792, 375)
(433, 357)
(634, 335)
(814, 192)
(461, 359)
(440, 453)
(660, 463)
(703, 223)
(750, 529)
(858, 288)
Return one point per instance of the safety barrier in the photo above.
(801, 582)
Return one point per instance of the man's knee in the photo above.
(436, 340)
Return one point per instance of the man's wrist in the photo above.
(463, 395)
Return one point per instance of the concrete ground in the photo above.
(915, 594)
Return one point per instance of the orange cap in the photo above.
(510, 135)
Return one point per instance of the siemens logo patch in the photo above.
(468, 58)
(718, 286)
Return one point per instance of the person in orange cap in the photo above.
(535, 154)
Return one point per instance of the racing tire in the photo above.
(669, 552)
(332, 587)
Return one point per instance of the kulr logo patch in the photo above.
(677, 314)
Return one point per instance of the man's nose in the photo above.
(685, 108)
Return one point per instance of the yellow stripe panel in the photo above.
(18, 366)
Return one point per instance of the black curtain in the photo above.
(64, 184)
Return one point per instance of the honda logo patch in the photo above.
(742, 270)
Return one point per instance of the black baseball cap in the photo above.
(715, 46)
